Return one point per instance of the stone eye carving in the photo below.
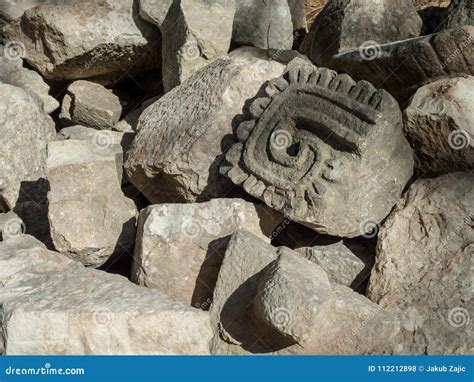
(322, 149)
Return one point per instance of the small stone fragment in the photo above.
(90, 104)
(439, 124)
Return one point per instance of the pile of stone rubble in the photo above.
(219, 177)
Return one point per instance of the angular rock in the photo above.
(90, 218)
(24, 132)
(129, 123)
(424, 263)
(181, 137)
(154, 11)
(103, 41)
(195, 33)
(13, 73)
(13, 9)
(324, 150)
(340, 263)
(263, 24)
(271, 300)
(53, 306)
(459, 13)
(90, 104)
(23, 256)
(296, 300)
(180, 247)
(11, 226)
(439, 124)
(108, 143)
(402, 67)
(349, 24)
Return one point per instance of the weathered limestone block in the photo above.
(402, 67)
(89, 216)
(459, 13)
(340, 263)
(13, 9)
(102, 41)
(271, 300)
(154, 11)
(298, 15)
(182, 136)
(195, 33)
(25, 129)
(23, 256)
(50, 305)
(439, 124)
(424, 263)
(106, 142)
(180, 247)
(90, 104)
(324, 150)
(348, 24)
(263, 24)
(296, 299)
(13, 73)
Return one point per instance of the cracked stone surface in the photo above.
(423, 268)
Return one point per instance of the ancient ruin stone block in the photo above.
(326, 151)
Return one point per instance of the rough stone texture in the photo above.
(130, 122)
(24, 132)
(346, 24)
(102, 40)
(53, 306)
(298, 14)
(263, 24)
(11, 226)
(108, 143)
(180, 247)
(324, 150)
(344, 327)
(24, 255)
(13, 73)
(14, 9)
(439, 124)
(340, 263)
(460, 12)
(296, 299)
(90, 104)
(90, 217)
(195, 33)
(181, 137)
(402, 67)
(278, 55)
(424, 263)
(154, 11)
